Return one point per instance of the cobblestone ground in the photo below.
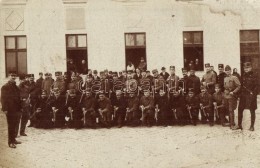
(188, 146)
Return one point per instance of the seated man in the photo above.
(119, 105)
(104, 109)
(147, 108)
(88, 108)
(132, 117)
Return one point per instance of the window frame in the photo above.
(193, 44)
(76, 47)
(135, 41)
(16, 50)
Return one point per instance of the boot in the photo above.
(251, 128)
(237, 127)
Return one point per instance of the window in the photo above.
(250, 48)
(76, 45)
(135, 48)
(193, 50)
(16, 54)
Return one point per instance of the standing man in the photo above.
(142, 64)
(39, 84)
(232, 87)
(11, 105)
(59, 83)
(194, 81)
(209, 79)
(248, 98)
(47, 84)
(164, 73)
(221, 76)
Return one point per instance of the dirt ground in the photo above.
(173, 147)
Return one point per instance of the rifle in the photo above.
(127, 112)
(156, 112)
(203, 109)
(142, 109)
(67, 97)
(175, 115)
(71, 113)
(54, 111)
(188, 108)
(115, 110)
(84, 116)
(216, 109)
(81, 97)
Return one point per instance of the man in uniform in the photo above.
(206, 106)
(219, 108)
(172, 81)
(132, 115)
(59, 83)
(248, 98)
(11, 105)
(147, 108)
(192, 104)
(162, 109)
(184, 81)
(119, 105)
(88, 108)
(39, 83)
(164, 73)
(194, 81)
(47, 84)
(57, 107)
(232, 87)
(221, 76)
(209, 79)
(104, 109)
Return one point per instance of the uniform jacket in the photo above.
(210, 78)
(249, 84)
(133, 104)
(163, 103)
(194, 82)
(47, 84)
(220, 80)
(218, 98)
(104, 105)
(205, 99)
(231, 84)
(89, 103)
(10, 98)
(193, 102)
(147, 102)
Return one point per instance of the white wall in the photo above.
(106, 21)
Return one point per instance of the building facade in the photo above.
(43, 35)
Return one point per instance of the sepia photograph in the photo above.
(129, 83)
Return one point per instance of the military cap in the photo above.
(172, 67)
(184, 69)
(115, 74)
(124, 71)
(30, 75)
(12, 73)
(40, 73)
(163, 68)
(247, 64)
(147, 71)
(120, 73)
(191, 90)
(142, 58)
(22, 77)
(227, 68)
(147, 90)
(101, 72)
(130, 71)
(46, 74)
(110, 72)
(154, 70)
(58, 73)
(220, 66)
(207, 65)
(95, 72)
(105, 70)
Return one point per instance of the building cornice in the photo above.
(74, 1)
(14, 2)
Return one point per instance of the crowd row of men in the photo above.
(128, 98)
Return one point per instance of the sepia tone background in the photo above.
(41, 35)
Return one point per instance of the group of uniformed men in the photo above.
(128, 98)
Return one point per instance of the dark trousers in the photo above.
(209, 115)
(13, 124)
(240, 116)
(24, 119)
(148, 117)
